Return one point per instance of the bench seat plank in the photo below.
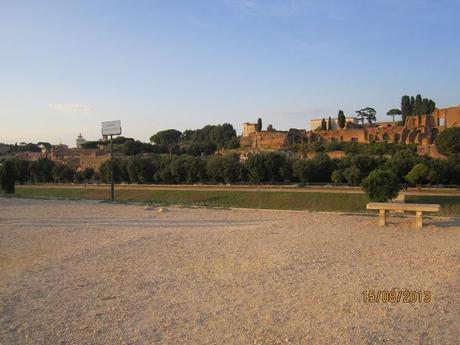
(396, 206)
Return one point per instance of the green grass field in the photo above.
(312, 201)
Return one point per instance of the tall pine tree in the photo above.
(426, 106)
(323, 125)
(405, 108)
(418, 107)
(432, 106)
(329, 124)
(259, 125)
(341, 119)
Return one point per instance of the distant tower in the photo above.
(80, 141)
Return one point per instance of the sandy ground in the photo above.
(92, 273)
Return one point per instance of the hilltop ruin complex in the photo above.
(420, 130)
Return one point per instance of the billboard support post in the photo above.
(112, 185)
(111, 128)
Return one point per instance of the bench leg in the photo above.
(418, 219)
(382, 217)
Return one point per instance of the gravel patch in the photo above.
(92, 273)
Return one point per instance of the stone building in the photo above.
(29, 156)
(79, 159)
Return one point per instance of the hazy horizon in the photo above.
(154, 65)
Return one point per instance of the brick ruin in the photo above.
(420, 130)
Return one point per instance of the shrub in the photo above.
(337, 176)
(117, 170)
(8, 177)
(256, 168)
(448, 141)
(352, 175)
(231, 168)
(418, 175)
(381, 185)
(303, 170)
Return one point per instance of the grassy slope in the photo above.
(315, 201)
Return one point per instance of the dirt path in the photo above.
(91, 273)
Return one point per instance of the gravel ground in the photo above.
(91, 273)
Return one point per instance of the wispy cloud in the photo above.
(265, 8)
(199, 23)
(327, 9)
(70, 107)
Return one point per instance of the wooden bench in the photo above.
(383, 207)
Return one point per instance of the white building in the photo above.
(80, 141)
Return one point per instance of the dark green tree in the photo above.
(367, 113)
(432, 106)
(88, 174)
(169, 138)
(418, 175)
(163, 168)
(341, 119)
(329, 124)
(189, 169)
(352, 175)
(323, 125)
(426, 106)
(381, 185)
(8, 176)
(406, 109)
(256, 168)
(133, 169)
(303, 170)
(63, 173)
(234, 143)
(91, 145)
(323, 167)
(42, 170)
(231, 168)
(412, 106)
(22, 168)
(401, 162)
(337, 176)
(118, 173)
(209, 139)
(448, 141)
(418, 106)
(196, 169)
(259, 125)
(215, 169)
(393, 113)
(274, 163)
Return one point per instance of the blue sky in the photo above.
(65, 66)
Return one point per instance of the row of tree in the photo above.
(410, 106)
(258, 168)
(31, 147)
(365, 114)
(327, 126)
(417, 105)
(353, 169)
(204, 141)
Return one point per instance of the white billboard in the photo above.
(111, 128)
